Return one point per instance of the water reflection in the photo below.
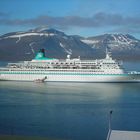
(63, 87)
(75, 111)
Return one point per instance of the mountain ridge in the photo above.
(23, 45)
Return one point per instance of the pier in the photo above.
(120, 134)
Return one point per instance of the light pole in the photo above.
(110, 117)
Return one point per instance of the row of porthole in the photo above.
(61, 73)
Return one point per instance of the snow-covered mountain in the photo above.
(24, 45)
(121, 46)
(113, 41)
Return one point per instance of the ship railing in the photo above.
(134, 72)
(4, 69)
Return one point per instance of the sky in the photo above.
(74, 17)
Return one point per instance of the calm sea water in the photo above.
(69, 111)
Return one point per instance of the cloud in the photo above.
(3, 15)
(127, 29)
(98, 20)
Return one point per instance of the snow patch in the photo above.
(18, 40)
(122, 40)
(67, 51)
(31, 45)
(114, 38)
(87, 41)
(30, 34)
(50, 34)
(62, 45)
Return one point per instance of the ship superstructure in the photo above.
(69, 70)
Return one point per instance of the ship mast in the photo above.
(108, 54)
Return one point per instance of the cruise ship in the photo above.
(43, 69)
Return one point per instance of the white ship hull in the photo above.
(73, 78)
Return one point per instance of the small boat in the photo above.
(40, 80)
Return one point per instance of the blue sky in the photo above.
(81, 17)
